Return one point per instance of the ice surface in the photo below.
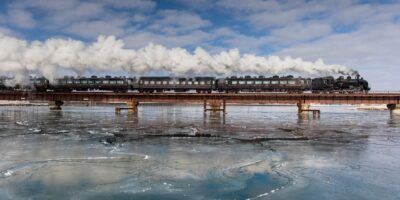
(175, 152)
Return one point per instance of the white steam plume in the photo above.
(22, 58)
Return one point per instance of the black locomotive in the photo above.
(233, 84)
(341, 84)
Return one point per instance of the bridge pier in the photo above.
(303, 108)
(394, 108)
(55, 105)
(131, 106)
(215, 105)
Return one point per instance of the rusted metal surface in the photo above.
(261, 98)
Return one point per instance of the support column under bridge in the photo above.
(55, 105)
(394, 108)
(131, 106)
(214, 106)
(304, 108)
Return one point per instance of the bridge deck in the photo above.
(262, 98)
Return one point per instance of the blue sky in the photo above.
(363, 35)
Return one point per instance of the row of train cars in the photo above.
(232, 84)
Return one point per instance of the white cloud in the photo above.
(92, 29)
(72, 15)
(299, 32)
(373, 51)
(174, 22)
(142, 38)
(20, 18)
(6, 31)
(53, 5)
(135, 4)
(82, 11)
(249, 5)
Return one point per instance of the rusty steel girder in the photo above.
(261, 98)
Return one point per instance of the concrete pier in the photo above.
(131, 106)
(394, 108)
(55, 105)
(303, 108)
(215, 106)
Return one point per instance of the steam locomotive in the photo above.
(232, 84)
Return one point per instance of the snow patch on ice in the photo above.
(22, 123)
(7, 173)
(193, 131)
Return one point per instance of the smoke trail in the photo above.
(22, 58)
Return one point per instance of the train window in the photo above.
(234, 82)
(258, 82)
(158, 82)
(165, 82)
(171, 82)
(120, 82)
(250, 82)
(189, 82)
(291, 82)
(274, 82)
(69, 82)
(203, 82)
(106, 81)
(152, 82)
(242, 82)
(146, 82)
(90, 81)
(113, 82)
(284, 82)
(302, 81)
(98, 82)
(196, 82)
(77, 82)
(84, 81)
(267, 82)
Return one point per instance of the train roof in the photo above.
(92, 77)
(263, 77)
(177, 78)
(155, 78)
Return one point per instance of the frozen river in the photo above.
(255, 152)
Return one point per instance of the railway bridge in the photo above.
(213, 101)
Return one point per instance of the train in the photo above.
(199, 84)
